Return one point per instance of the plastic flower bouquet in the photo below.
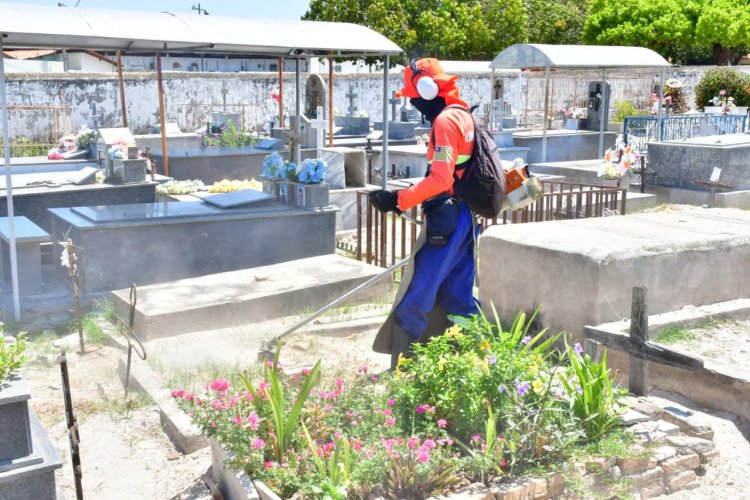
(275, 167)
(119, 150)
(312, 171)
(619, 161)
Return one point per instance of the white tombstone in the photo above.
(319, 124)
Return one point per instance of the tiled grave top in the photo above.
(716, 140)
(207, 152)
(140, 211)
(237, 198)
(25, 230)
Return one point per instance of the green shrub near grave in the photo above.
(11, 354)
(736, 85)
(626, 108)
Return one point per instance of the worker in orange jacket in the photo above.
(438, 281)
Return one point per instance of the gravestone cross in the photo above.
(351, 95)
(224, 92)
(319, 124)
(393, 101)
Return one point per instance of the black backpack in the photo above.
(482, 186)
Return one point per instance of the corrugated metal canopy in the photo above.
(67, 27)
(539, 56)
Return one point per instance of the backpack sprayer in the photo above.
(521, 189)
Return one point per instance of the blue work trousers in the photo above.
(444, 275)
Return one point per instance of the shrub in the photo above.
(736, 85)
(626, 108)
(11, 354)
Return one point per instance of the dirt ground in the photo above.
(126, 455)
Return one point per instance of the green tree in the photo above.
(676, 29)
(556, 21)
(448, 29)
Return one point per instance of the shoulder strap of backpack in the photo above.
(432, 136)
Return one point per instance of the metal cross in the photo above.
(351, 95)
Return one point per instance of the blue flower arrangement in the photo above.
(273, 166)
(312, 171)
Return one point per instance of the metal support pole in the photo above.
(297, 153)
(122, 90)
(492, 103)
(603, 113)
(544, 118)
(659, 117)
(162, 116)
(281, 92)
(9, 189)
(330, 101)
(384, 166)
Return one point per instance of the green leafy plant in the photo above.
(733, 83)
(11, 354)
(624, 109)
(284, 423)
(592, 393)
(674, 335)
(334, 472)
(485, 457)
(414, 475)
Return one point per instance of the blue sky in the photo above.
(275, 9)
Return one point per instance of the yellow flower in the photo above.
(485, 345)
(441, 363)
(453, 331)
(538, 386)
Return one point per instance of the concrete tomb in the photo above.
(155, 242)
(108, 137)
(28, 459)
(563, 145)
(582, 272)
(29, 238)
(690, 163)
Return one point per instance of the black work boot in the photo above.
(400, 345)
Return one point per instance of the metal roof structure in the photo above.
(590, 57)
(39, 26)
(140, 31)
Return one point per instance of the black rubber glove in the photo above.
(385, 201)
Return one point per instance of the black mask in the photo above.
(429, 109)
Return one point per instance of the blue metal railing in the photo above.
(640, 130)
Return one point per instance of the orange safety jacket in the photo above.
(451, 143)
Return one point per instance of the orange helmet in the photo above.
(425, 78)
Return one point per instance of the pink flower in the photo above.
(339, 383)
(423, 456)
(188, 396)
(178, 393)
(238, 420)
(306, 371)
(475, 438)
(275, 96)
(387, 412)
(391, 402)
(429, 444)
(374, 378)
(258, 444)
(362, 369)
(268, 465)
(252, 420)
(248, 396)
(412, 442)
(442, 423)
(218, 405)
(356, 444)
(722, 92)
(390, 422)
(220, 384)
(420, 409)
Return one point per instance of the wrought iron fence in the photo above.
(384, 239)
(640, 130)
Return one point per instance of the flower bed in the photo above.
(479, 405)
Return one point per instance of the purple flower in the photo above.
(578, 349)
(523, 388)
(526, 340)
(580, 390)
(492, 359)
(501, 389)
